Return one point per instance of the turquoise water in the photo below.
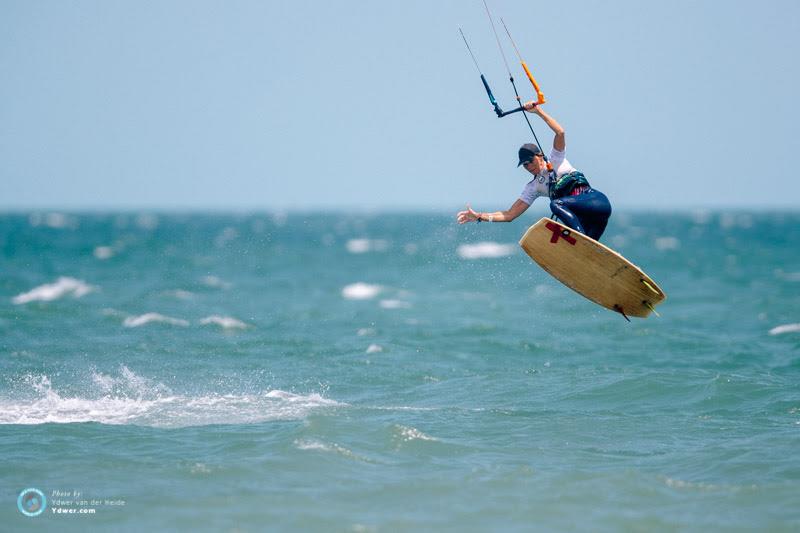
(373, 373)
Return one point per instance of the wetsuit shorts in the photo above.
(587, 211)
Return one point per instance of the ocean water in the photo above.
(394, 372)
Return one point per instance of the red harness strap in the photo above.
(580, 189)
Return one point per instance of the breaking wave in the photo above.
(132, 399)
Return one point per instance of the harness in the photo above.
(567, 184)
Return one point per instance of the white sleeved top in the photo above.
(538, 186)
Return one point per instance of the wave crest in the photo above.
(63, 286)
(128, 398)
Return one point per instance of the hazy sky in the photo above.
(371, 104)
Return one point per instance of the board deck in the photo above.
(591, 269)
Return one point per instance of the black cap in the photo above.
(527, 153)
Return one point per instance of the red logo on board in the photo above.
(559, 232)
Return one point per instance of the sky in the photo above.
(371, 105)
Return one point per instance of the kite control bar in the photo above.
(497, 109)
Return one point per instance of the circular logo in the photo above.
(31, 502)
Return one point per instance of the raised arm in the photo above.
(559, 141)
(508, 215)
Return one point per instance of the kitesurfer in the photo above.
(572, 199)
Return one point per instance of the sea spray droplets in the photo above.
(63, 286)
(50, 406)
(106, 383)
(133, 399)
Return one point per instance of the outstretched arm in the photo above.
(508, 215)
(559, 141)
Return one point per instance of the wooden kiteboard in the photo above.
(591, 269)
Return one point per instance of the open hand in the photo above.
(467, 216)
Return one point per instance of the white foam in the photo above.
(360, 291)
(786, 328)
(701, 216)
(225, 236)
(103, 252)
(50, 407)
(147, 221)
(485, 250)
(667, 243)
(106, 383)
(323, 447)
(147, 318)
(374, 348)
(362, 246)
(408, 434)
(131, 399)
(200, 468)
(319, 446)
(732, 220)
(681, 484)
(226, 322)
(53, 220)
(291, 397)
(394, 304)
(63, 286)
(312, 445)
(358, 246)
(215, 282)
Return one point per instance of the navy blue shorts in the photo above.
(587, 212)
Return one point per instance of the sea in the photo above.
(371, 371)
